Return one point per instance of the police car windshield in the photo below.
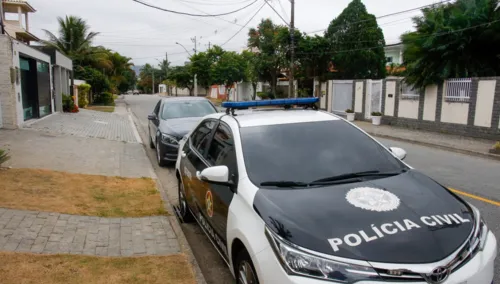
(182, 109)
(306, 152)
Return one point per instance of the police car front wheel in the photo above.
(186, 215)
(245, 271)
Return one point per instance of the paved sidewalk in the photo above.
(42, 232)
(455, 143)
(35, 149)
(88, 123)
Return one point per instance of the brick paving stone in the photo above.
(43, 232)
(90, 124)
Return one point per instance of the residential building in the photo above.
(26, 84)
(394, 54)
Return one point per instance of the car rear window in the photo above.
(305, 152)
(181, 109)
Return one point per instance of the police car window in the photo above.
(200, 137)
(305, 152)
(221, 150)
(157, 108)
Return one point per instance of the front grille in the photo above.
(403, 276)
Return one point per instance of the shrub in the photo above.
(349, 110)
(106, 99)
(68, 103)
(497, 146)
(4, 157)
(83, 94)
(376, 113)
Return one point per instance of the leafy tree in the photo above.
(314, 56)
(268, 42)
(202, 62)
(251, 71)
(229, 69)
(183, 77)
(357, 44)
(74, 35)
(97, 80)
(145, 83)
(459, 39)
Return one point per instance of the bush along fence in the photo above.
(465, 106)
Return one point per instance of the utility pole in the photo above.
(195, 75)
(209, 46)
(291, 89)
(166, 73)
(153, 72)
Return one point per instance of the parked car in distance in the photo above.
(136, 92)
(172, 118)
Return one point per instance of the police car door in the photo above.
(194, 161)
(221, 152)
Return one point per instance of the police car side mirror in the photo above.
(215, 175)
(398, 152)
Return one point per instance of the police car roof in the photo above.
(249, 118)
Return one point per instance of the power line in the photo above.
(283, 9)
(244, 25)
(286, 23)
(234, 23)
(388, 15)
(216, 3)
(193, 15)
(418, 37)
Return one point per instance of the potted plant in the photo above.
(376, 117)
(350, 114)
(496, 148)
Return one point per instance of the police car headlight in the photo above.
(169, 139)
(481, 231)
(298, 262)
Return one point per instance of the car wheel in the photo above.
(151, 143)
(184, 212)
(245, 271)
(159, 155)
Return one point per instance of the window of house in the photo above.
(388, 59)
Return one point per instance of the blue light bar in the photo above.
(277, 102)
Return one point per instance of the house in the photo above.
(26, 81)
(394, 54)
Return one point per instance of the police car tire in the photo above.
(243, 257)
(186, 216)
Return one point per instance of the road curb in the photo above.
(174, 222)
(433, 145)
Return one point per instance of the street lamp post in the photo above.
(195, 75)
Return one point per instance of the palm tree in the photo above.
(74, 36)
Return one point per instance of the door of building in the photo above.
(43, 84)
(29, 90)
(342, 96)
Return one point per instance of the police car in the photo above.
(298, 195)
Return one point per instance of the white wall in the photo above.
(408, 108)
(322, 98)
(484, 103)
(390, 87)
(454, 112)
(358, 97)
(244, 91)
(63, 61)
(430, 102)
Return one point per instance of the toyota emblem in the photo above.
(438, 275)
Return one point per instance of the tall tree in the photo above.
(267, 42)
(314, 56)
(229, 69)
(74, 35)
(357, 44)
(183, 77)
(459, 39)
(201, 64)
(251, 71)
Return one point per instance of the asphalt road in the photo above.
(473, 175)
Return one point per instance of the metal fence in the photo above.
(458, 90)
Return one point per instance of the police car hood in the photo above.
(408, 218)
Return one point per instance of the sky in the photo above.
(146, 34)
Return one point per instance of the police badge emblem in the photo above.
(372, 199)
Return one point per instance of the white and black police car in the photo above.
(298, 195)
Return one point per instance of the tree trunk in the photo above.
(273, 84)
(190, 91)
